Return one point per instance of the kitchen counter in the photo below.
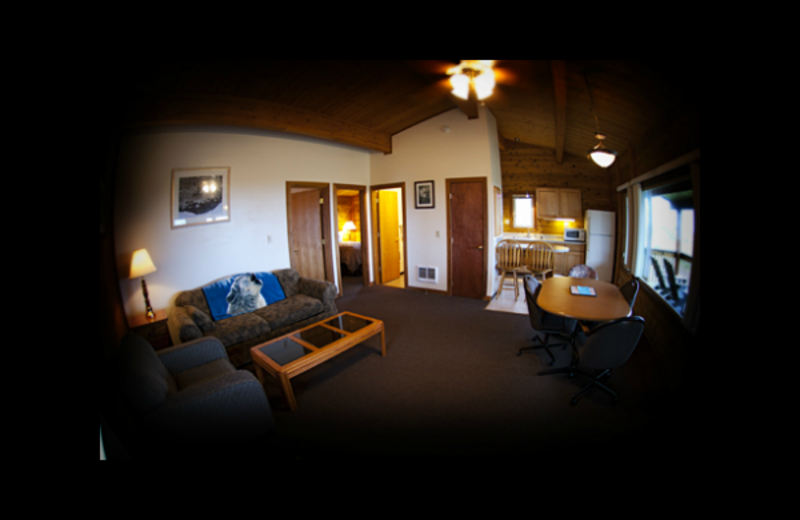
(536, 237)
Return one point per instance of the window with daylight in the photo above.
(523, 211)
(660, 247)
(668, 218)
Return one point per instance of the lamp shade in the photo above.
(141, 264)
(349, 226)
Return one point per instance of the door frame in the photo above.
(486, 239)
(373, 190)
(326, 221)
(365, 238)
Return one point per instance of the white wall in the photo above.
(261, 163)
(425, 152)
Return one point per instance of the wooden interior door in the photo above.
(389, 235)
(307, 250)
(467, 215)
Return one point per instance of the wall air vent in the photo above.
(428, 274)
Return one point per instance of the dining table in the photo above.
(607, 304)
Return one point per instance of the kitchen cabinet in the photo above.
(557, 203)
(566, 261)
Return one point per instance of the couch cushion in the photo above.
(289, 311)
(203, 373)
(239, 329)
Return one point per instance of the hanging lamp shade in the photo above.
(601, 155)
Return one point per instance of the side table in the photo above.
(155, 332)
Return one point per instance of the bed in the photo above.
(350, 256)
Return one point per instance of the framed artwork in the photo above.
(200, 196)
(423, 195)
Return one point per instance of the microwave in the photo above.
(576, 234)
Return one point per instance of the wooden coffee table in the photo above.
(299, 351)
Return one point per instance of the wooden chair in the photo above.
(540, 259)
(509, 256)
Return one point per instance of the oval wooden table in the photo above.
(609, 304)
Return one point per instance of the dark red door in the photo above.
(468, 234)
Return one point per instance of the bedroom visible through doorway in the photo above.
(352, 237)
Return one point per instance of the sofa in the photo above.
(303, 301)
(191, 394)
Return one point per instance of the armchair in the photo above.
(191, 393)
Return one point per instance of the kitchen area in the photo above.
(556, 216)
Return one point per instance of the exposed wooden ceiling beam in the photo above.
(204, 109)
(560, 94)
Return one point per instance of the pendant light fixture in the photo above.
(601, 155)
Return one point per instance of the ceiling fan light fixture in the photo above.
(484, 84)
(477, 73)
(460, 84)
(601, 155)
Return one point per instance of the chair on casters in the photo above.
(629, 291)
(544, 322)
(606, 347)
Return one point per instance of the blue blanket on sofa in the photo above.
(242, 293)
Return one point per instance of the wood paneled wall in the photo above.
(525, 168)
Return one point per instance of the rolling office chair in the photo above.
(630, 290)
(606, 347)
(544, 322)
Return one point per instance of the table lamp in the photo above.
(348, 227)
(141, 265)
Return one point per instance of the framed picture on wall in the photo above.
(200, 196)
(423, 195)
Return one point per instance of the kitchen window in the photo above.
(522, 211)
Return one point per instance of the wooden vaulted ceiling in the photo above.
(544, 103)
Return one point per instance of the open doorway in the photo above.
(352, 237)
(388, 232)
(308, 212)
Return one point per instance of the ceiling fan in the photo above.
(468, 83)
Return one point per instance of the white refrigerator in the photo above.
(600, 242)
